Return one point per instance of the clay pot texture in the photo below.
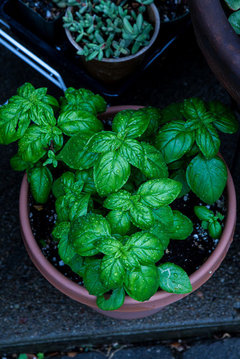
(112, 70)
(218, 42)
(131, 309)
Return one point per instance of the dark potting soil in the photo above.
(171, 10)
(45, 8)
(190, 253)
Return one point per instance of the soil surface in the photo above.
(171, 10)
(45, 8)
(190, 253)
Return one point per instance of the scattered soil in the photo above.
(45, 8)
(190, 253)
(171, 9)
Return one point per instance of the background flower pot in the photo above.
(113, 70)
(218, 42)
(131, 309)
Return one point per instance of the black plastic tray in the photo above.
(62, 54)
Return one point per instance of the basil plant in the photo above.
(114, 189)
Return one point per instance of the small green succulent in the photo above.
(234, 18)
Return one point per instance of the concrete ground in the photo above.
(34, 316)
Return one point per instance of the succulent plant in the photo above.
(61, 3)
(234, 18)
(108, 29)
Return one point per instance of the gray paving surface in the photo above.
(34, 316)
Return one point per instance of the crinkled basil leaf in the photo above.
(87, 178)
(194, 109)
(159, 192)
(142, 282)
(130, 123)
(61, 230)
(141, 216)
(83, 122)
(112, 301)
(112, 271)
(62, 183)
(91, 277)
(224, 119)
(109, 246)
(120, 222)
(103, 141)
(111, 172)
(76, 155)
(40, 180)
(174, 279)
(203, 213)
(174, 140)
(133, 152)
(118, 200)
(208, 141)
(180, 176)
(154, 165)
(146, 247)
(182, 226)
(207, 178)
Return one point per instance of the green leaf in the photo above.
(194, 109)
(111, 172)
(141, 283)
(224, 119)
(61, 184)
(233, 4)
(120, 222)
(112, 302)
(91, 277)
(61, 230)
(159, 231)
(174, 279)
(180, 176)
(203, 213)
(182, 226)
(130, 123)
(75, 122)
(77, 265)
(208, 141)
(133, 152)
(174, 140)
(76, 155)
(109, 246)
(87, 178)
(215, 229)
(118, 200)
(207, 178)
(112, 272)
(154, 166)
(164, 215)
(62, 205)
(18, 164)
(65, 249)
(86, 230)
(79, 207)
(40, 180)
(172, 113)
(154, 115)
(159, 192)
(234, 21)
(146, 247)
(141, 216)
(104, 141)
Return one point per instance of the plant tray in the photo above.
(62, 55)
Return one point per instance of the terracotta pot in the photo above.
(131, 309)
(113, 70)
(218, 42)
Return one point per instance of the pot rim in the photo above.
(79, 293)
(125, 58)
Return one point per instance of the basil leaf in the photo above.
(174, 279)
(160, 232)
(40, 180)
(141, 216)
(109, 246)
(86, 230)
(130, 260)
(118, 200)
(61, 230)
(91, 277)
(224, 119)
(234, 21)
(154, 165)
(194, 109)
(18, 164)
(154, 115)
(208, 141)
(77, 265)
(62, 183)
(215, 229)
(164, 215)
(103, 141)
(207, 178)
(203, 213)
(74, 122)
(65, 249)
(112, 272)
(133, 152)
(130, 123)
(79, 207)
(159, 192)
(87, 178)
(141, 283)
(233, 4)
(110, 173)
(173, 140)
(182, 226)
(76, 155)
(180, 176)
(113, 302)
(146, 247)
(37, 96)
(171, 113)
(120, 222)
(62, 205)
